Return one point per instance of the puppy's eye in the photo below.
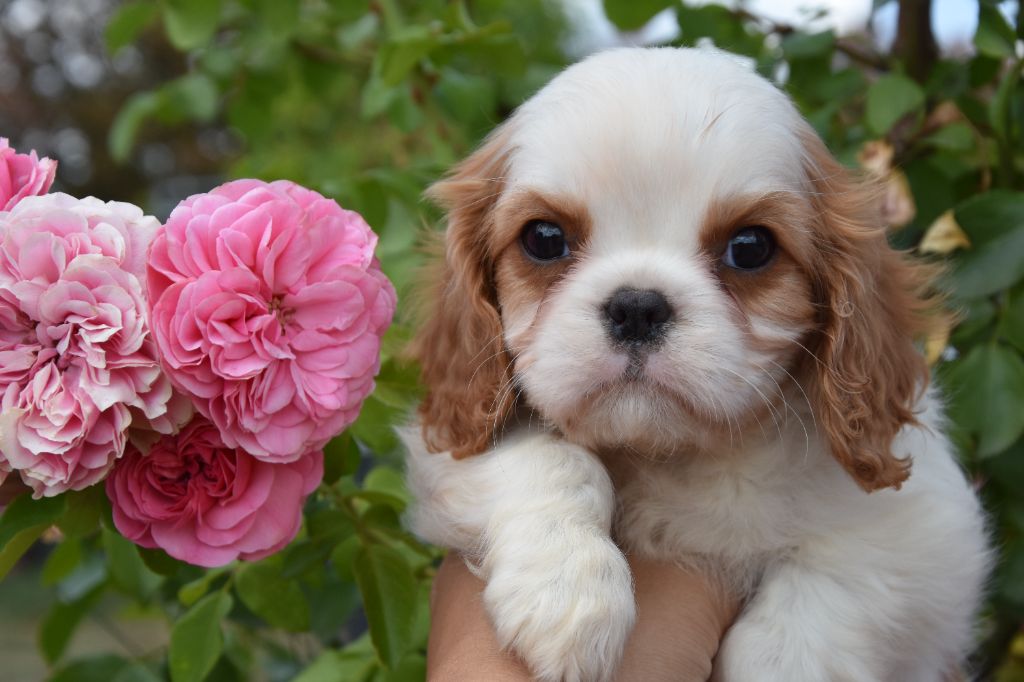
(749, 249)
(544, 240)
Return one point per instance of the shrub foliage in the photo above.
(368, 101)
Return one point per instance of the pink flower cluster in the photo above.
(208, 504)
(76, 360)
(268, 307)
(22, 175)
(260, 305)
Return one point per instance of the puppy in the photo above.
(668, 322)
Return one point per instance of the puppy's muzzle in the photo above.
(637, 317)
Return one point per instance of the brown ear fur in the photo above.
(465, 366)
(875, 301)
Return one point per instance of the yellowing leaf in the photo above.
(936, 343)
(944, 236)
(1017, 646)
(875, 156)
(943, 115)
(898, 207)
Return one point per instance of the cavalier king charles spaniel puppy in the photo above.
(668, 322)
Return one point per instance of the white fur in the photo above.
(842, 585)
(534, 514)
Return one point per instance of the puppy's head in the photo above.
(648, 253)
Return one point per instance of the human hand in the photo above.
(681, 616)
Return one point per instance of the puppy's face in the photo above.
(648, 252)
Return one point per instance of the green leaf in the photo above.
(413, 668)
(275, 599)
(889, 99)
(994, 36)
(17, 546)
(808, 45)
(1010, 572)
(280, 17)
(1007, 469)
(128, 22)
(305, 556)
(63, 559)
(1013, 326)
(333, 666)
(85, 510)
(402, 52)
(129, 119)
(467, 98)
(630, 15)
(376, 96)
(355, 662)
(61, 622)
(195, 95)
(160, 562)
(191, 592)
(378, 497)
(384, 479)
(341, 458)
(102, 668)
(986, 388)
(347, 11)
(191, 23)
(717, 23)
(388, 587)
(343, 558)
(374, 425)
(1001, 105)
(25, 512)
(128, 572)
(136, 672)
(955, 137)
(994, 222)
(333, 603)
(196, 639)
(86, 576)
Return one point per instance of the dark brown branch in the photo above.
(856, 51)
(915, 42)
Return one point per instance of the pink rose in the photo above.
(268, 307)
(22, 175)
(78, 365)
(41, 235)
(55, 437)
(208, 504)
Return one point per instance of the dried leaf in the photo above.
(898, 207)
(944, 236)
(875, 157)
(936, 343)
(942, 115)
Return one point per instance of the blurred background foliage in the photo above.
(368, 101)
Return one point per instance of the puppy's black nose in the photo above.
(637, 315)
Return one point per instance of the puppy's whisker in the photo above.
(810, 409)
(764, 398)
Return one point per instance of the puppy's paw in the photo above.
(567, 615)
(783, 652)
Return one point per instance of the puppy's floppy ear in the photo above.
(460, 345)
(873, 303)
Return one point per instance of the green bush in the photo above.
(369, 101)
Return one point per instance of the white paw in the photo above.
(568, 616)
(784, 652)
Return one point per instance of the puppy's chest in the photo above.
(730, 512)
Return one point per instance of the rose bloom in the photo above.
(268, 307)
(208, 504)
(22, 175)
(41, 235)
(77, 363)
